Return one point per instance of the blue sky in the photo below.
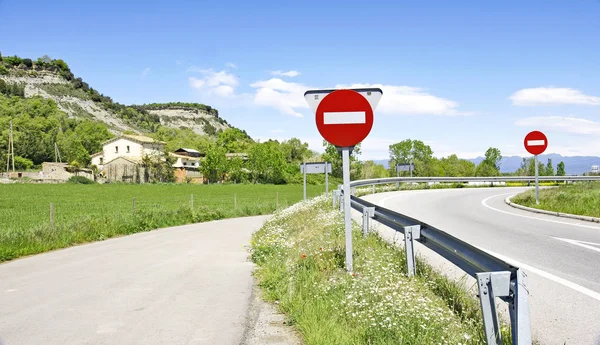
(461, 76)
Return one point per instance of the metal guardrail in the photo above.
(495, 278)
(389, 180)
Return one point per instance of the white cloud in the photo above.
(231, 65)
(287, 97)
(408, 100)
(221, 83)
(286, 74)
(572, 125)
(146, 71)
(552, 95)
(281, 95)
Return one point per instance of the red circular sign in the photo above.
(535, 142)
(344, 118)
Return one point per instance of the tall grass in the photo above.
(86, 213)
(582, 198)
(300, 253)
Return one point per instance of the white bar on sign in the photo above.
(536, 142)
(344, 117)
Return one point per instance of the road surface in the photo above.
(190, 284)
(560, 256)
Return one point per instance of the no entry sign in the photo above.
(536, 142)
(344, 117)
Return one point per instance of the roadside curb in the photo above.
(557, 214)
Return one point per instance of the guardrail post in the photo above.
(340, 200)
(334, 196)
(492, 285)
(368, 212)
(411, 233)
(373, 189)
(519, 310)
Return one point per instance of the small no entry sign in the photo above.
(536, 142)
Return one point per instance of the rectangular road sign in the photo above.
(405, 167)
(316, 168)
(344, 117)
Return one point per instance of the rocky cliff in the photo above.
(77, 99)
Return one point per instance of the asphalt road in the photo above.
(560, 256)
(190, 284)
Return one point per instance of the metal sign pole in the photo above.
(537, 187)
(304, 166)
(326, 182)
(347, 208)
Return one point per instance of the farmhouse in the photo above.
(121, 157)
(187, 164)
(129, 146)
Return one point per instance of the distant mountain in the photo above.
(575, 165)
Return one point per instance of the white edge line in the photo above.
(590, 293)
(579, 243)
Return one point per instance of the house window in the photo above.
(116, 149)
(127, 148)
(101, 160)
(184, 163)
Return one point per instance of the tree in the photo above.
(452, 166)
(295, 150)
(490, 166)
(421, 154)
(234, 140)
(23, 163)
(266, 163)
(332, 155)
(235, 167)
(493, 157)
(28, 63)
(214, 165)
(372, 170)
(560, 169)
(549, 171)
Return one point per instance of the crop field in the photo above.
(27, 205)
(84, 213)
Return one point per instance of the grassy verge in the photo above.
(85, 213)
(300, 256)
(582, 198)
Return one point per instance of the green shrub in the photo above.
(3, 69)
(80, 180)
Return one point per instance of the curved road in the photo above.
(560, 256)
(190, 284)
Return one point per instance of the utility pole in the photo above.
(11, 150)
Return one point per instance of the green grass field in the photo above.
(84, 213)
(582, 198)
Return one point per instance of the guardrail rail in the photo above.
(495, 278)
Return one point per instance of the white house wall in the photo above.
(135, 149)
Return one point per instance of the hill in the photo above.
(52, 79)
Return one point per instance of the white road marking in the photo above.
(344, 117)
(536, 142)
(590, 293)
(583, 244)
(484, 203)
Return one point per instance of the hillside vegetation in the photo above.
(52, 78)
